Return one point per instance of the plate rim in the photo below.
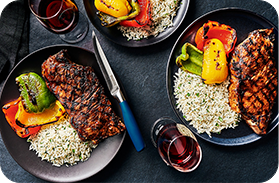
(215, 140)
(127, 43)
(9, 149)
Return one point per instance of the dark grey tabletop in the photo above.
(142, 72)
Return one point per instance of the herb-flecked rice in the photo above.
(59, 144)
(205, 106)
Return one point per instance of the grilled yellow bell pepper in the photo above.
(109, 17)
(115, 8)
(50, 115)
(214, 68)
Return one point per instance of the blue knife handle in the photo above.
(131, 126)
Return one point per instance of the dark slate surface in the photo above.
(142, 72)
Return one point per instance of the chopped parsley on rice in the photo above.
(59, 144)
(205, 106)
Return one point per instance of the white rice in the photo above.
(59, 144)
(162, 14)
(205, 106)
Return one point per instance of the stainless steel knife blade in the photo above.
(106, 70)
(114, 88)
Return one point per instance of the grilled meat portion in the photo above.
(80, 92)
(253, 87)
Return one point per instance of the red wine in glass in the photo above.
(176, 145)
(62, 16)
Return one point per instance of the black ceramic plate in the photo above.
(19, 148)
(116, 36)
(243, 22)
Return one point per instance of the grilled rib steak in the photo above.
(80, 92)
(253, 87)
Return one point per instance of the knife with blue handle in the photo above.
(115, 91)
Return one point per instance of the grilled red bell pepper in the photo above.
(213, 29)
(142, 18)
(10, 110)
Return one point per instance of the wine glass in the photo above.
(176, 144)
(61, 17)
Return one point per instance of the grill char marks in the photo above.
(253, 87)
(80, 92)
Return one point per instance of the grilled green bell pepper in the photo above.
(108, 21)
(34, 93)
(190, 59)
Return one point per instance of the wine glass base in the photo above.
(79, 32)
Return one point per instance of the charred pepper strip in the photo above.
(213, 29)
(34, 93)
(190, 59)
(142, 18)
(108, 20)
(10, 109)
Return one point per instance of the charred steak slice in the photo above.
(80, 92)
(253, 87)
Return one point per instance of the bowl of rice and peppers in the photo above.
(155, 21)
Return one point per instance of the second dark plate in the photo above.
(243, 22)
